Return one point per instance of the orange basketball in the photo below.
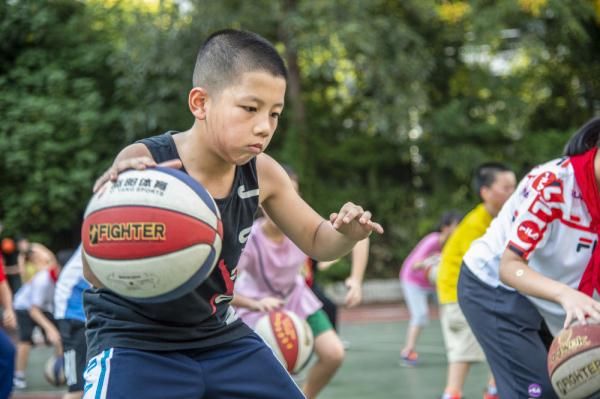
(574, 361)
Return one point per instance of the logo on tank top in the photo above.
(244, 234)
(243, 193)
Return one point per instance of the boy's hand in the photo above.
(354, 222)
(269, 303)
(53, 336)
(9, 319)
(354, 295)
(578, 306)
(138, 163)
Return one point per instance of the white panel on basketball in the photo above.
(305, 339)
(263, 328)
(148, 277)
(183, 199)
(579, 376)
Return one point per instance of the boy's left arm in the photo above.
(317, 237)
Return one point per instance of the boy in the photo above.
(494, 183)
(70, 318)
(7, 349)
(34, 303)
(195, 346)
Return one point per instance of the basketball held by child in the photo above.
(574, 361)
(152, 235)
(54, 371)
(289, 336)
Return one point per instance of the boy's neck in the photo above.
(204, 165)
(491, 209)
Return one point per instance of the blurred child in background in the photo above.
(269, 278)
(416, 278)
(70, 318)
(494, 183)
(7, 349)
(34, 305)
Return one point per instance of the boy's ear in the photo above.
(484, 193)
(197, 102)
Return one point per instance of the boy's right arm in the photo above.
(134, 156)
(51, 331)
(9, 318)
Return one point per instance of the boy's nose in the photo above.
(263, 127)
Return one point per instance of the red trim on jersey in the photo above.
(577, 226)
(2, 275)
(228, 280)
(585, 175)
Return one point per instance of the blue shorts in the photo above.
(7, 365)
(508, 328)
(244, 368)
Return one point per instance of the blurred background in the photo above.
(390, 103)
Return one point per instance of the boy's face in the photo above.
(244, 116)
(499, 192)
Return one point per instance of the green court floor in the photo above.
(370, 371)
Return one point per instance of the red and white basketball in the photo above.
(289, 336)
(574, 361)
(152, 235)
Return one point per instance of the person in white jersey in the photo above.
(33, 304)
(539, 261)
(70, 317)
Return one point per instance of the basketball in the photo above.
(574, 361)
(152, 235)
(54, 371)
(289, 337)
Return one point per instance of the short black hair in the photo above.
(228, 53)
(448, 219)
(586, 138)
(485, 175)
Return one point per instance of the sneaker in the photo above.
(450, 396)
(19, 383)
(487, 395)
(410, 359)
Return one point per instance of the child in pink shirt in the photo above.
(416, 284)
(269, 278)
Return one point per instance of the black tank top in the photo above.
(197, 320)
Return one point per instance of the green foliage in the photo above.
(390, 104)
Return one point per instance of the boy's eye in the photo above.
(249, 109)
(275, 115)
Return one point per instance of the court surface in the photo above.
(371, 369)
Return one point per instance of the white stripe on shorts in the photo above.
(70, 367)
(97, 375)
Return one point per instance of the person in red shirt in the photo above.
(7, 349)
